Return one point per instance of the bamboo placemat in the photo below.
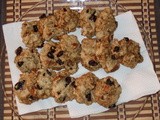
(144, 12)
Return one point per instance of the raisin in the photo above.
(38, 87)
(88, 97)
(126, 39)
(44, 74)
(93, 17)
(109, 82)
(60, 62)
(68, 81)
(40, 46)
(64, 9)
(31, 97)
(42, 16)
(112, 106)
(50, 14)
(52, 49)
(19, 85)
(102, 97)
(116, 23)
(87, 10)
(58, 92)
(35, 28)
(113, 57)
(92, 63)
(73, 84)
(116, 49)
(20, 63)
(50, 55)
(60, 53)
(18, 50)
(49, 73)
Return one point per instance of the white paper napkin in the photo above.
(135, 83)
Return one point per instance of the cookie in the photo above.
(67, 19)
(25, 88)
(27, 59)
(107, 92)
(108, 61)
(128, 52)
(131, 60)
(88, 17)
(62, 88)
(31, 35)
(44, 83)
(83, 88)
(61, 55)
(88, 54)
(105, 23)
(51, 29)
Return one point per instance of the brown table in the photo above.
(147, 12)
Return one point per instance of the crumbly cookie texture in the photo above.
(27, 59)
(61, 22)
(31, 35)
(88, 17)
(83, 88)
(25, 88)
(62, 88)
(51, 29)
(105, 23)
(64, 54)
(107, 92)
(34, 85)
(67, 19)
(88, 54)
(103, 54)
(133, 56)
(44, 83)
(112, 53)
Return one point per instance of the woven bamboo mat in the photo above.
(142, 9)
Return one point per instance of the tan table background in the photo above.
(142, 9)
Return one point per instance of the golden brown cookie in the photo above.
(27, 59)
(88, 54)
(67, 19)
(83, 88)
(61, 55)
(25, 88)
(44, 83)
(108, 62)
(107, 92)
(62, 88)
(31, 35)
(105, 23)
(88, 17)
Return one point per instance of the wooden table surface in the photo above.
(147, 12)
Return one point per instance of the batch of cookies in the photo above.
(51, 56)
